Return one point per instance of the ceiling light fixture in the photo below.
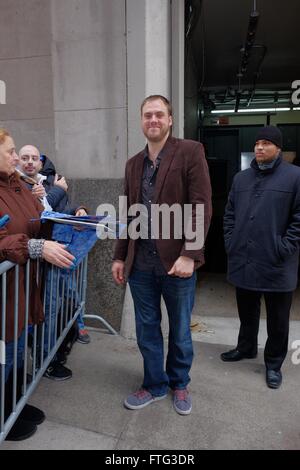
(263, 110)
(223, 111)
(252, 110)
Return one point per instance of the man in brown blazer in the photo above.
(172, 172)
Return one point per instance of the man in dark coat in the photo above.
(262, 234)
(168, 171)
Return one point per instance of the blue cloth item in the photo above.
(79, 241)
(178, 293)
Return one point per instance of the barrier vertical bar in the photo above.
(50, 310)
(16, 325)
(57, 302)
(3, 327)
(26, 325)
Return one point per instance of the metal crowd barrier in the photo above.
(64, 297)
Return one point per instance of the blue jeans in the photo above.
(178, 294)
(50, 312)
(80, 322)
(9, 353)
(55, 300)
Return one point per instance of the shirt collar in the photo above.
(268, 169)
(40, 177)
(159, 156)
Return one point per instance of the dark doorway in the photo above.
(222, 152)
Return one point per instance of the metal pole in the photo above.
(16, 327)
(3, 326)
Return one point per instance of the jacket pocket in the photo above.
(278, 250)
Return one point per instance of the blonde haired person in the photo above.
(20, 240)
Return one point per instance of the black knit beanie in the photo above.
(271, 133)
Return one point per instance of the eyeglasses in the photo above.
(27, 158)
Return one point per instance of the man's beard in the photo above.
(157, 138)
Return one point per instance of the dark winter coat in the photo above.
(56, 196)
(262, 228)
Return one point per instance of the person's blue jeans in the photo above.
(178, 294)
(53, 302)
(9, 353)
(80, 322)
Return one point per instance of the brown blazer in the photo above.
(183, 178)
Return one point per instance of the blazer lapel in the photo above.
(168, 154)
(138, 174)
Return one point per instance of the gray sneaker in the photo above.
(83, 337)
(140, 399)
(182, 401)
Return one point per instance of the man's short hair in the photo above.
(158, 97)
(3, 134)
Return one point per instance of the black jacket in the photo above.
(262, 228)
(56, 196)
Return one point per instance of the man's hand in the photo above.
(56, 254)
(183, 267)
(38, 191)
(61, 183)
(118, 272)
(81, 213)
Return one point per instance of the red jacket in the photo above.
(182, 178)
(17, 201)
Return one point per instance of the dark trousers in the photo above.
(278, 306)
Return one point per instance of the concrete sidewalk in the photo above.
(232, 406)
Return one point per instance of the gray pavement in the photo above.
(232, 407)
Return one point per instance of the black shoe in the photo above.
(21, 430)
(58, 372)
(32, 414)
(61, 358)
(236, 355)
(273, 378)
